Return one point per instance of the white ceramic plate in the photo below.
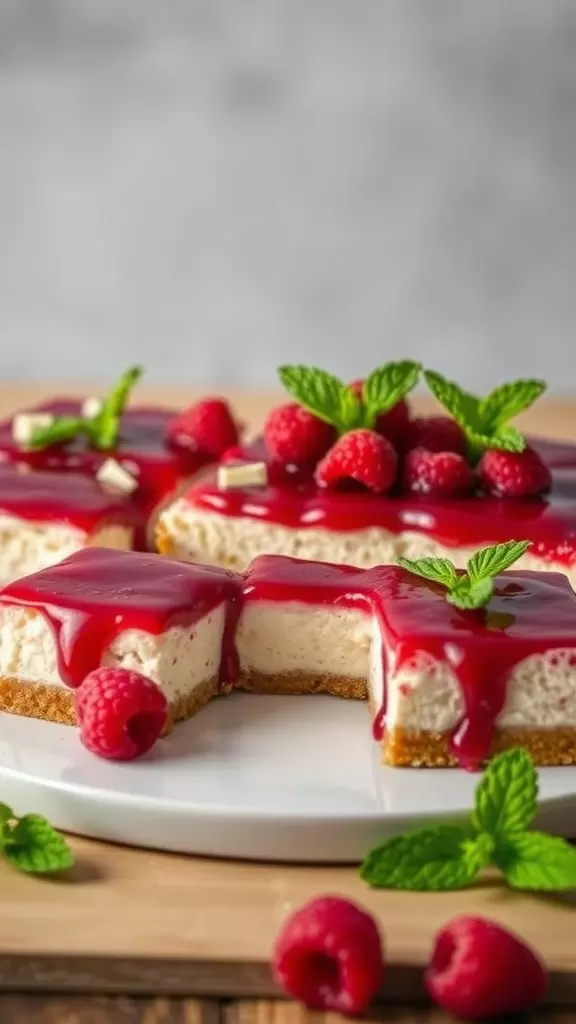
(272, 778)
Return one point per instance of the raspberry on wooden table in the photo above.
(292, 434)
(208, 425)
(479, 970)
(437, 434)
(437, 474)
(360, 455)
(121, 713)
(514, 474)
(329, 956)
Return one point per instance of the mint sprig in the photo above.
(485, 421)
(445, 857)
(474, 587)
(101, 430)
(31, 844)
(334, 402)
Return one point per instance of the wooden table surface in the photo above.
(143, 936)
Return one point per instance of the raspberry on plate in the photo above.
(208, 426)
(437, 474)
(292, 434)
(362, 456)
(437, 434)
(479, 970)
(514, 474)
(329, 955)
(121, 713)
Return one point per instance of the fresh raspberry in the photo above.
(121, 713)
(363, 456)
(294, 435)
(437, 434)
(394, 424)
(207, 426)
(514, 474)
(437, 474)
(329, 956)
(479, 970)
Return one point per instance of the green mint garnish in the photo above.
(447, 857)
(485, 421)
(30, 843)
(102, 429)
(474, 587)
(331, 400)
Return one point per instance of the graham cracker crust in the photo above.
(53, 704)
(162, 540)
(303, 682)
(405, 749)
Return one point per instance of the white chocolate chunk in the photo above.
(113, 478)
(25, 425)
(91, 407)
(249, 474)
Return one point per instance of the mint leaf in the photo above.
(507, 439)
(323, 395)
(467, 595)
(35, 847)
(6, 814)
(384, 387)
(64, 428)
(534, 860)
(506, 795)
(438, 570)
(461, 404)
(495, 558)
(431, 859)
(107, 423)
(507, 400)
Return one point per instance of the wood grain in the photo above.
(30, 1009)
(146, 923)
(292, 1013)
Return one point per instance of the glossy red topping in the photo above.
(294, 500)
(530, 613)
(142, 448)
(96, 593)
(59, 497)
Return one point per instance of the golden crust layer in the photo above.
(55, 704)
(303, 682)
(403, 748)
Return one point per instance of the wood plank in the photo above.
(150, 923)
(34, 1009)
(291, 1013)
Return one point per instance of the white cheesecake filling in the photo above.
(27, 546)
(275, 638)
(233, 542)
(178, 660)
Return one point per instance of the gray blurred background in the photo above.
(214, 186)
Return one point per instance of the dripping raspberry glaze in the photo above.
(143, 448)
(530, 613)
(95, 594)
(293, 500)
(60, 497)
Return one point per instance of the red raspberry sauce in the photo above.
(60, 498)
(97, 593)
(293, 500)
(530, 613)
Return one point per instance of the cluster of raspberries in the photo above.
(411, 455)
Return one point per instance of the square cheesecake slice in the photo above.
(44, 517)
(171, 621)
(445, 686)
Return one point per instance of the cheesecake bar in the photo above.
(171, 621)
(445, 686)
(44, 517)
(291, 515)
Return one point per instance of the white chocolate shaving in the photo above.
(25, 425)
(113, 478)
(249, 474)
(91, 407)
